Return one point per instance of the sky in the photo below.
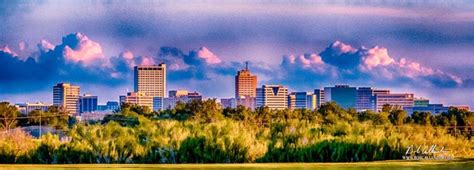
(421, 47)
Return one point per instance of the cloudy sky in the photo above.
(411, 46)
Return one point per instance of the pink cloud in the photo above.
(146, 60)
(342, 48)
(22, 46)
(131, 60)
(7, 49)
(306, 61)
(376, 56)
(374, 64)
(44, 45)
(208, 56)
(86, 50)
(377, 61)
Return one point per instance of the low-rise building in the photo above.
(170, 102)
(26, 108)
(398, 100)
(138, 98)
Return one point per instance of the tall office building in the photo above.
(245, 83)
(343, 95)
(87, 103)
(320, 98)
(272, 96)
(398, 100)
(150, 80)
(66, 96)
(138, 98)
(364, 98)
(375, 92)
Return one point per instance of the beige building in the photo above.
(150, 80)
(272, 96)
(399, 100)
(66, 96)
(245, 83)
(138, 98)
(177, 93)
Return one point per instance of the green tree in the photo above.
(422, 118)
(8, 115)
(397, 117)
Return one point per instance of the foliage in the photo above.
(8, 115)
(53, 117)
(201, 132)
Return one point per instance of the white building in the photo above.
(26, 108)
(272, 96)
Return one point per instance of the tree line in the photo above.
(203, 132)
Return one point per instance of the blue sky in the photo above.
(421, 47)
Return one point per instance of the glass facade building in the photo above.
(343, 95)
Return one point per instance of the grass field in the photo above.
(382, 165)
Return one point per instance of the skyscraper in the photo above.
(245, 83)
(66, 96)
(272, 96)
(150, 80)
(87, 103)
(343, 95)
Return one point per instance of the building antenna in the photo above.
(246, 65)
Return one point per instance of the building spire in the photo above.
(247, 65)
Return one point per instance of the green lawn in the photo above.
(382, 165)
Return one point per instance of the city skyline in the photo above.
(425, 58)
